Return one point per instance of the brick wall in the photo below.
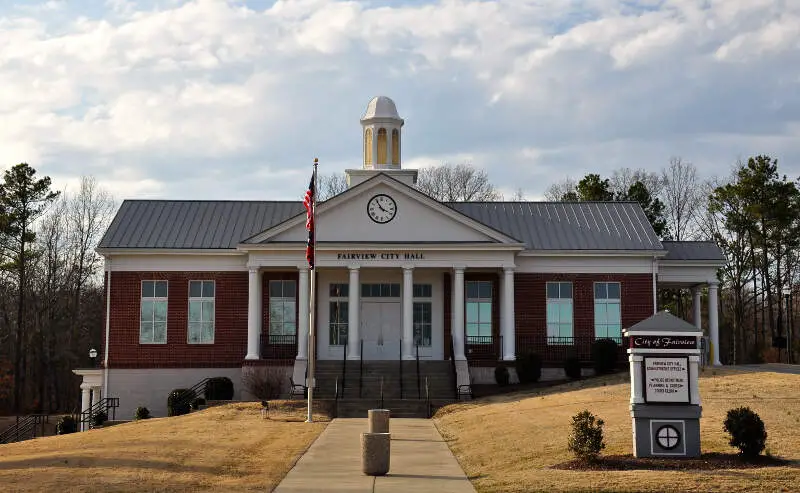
(530, 300)
(230, 332)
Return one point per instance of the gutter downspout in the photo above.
(655, 292)
(108, 326)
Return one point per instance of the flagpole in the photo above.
(312, 347)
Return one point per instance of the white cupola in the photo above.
(381, 128)
(381, 133)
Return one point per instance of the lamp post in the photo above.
(787, 291)
(93, 357)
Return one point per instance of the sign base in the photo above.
(666, 431)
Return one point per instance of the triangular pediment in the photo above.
(418, 219)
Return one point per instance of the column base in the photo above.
(509, 358)
(252, 357)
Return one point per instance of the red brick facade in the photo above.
(230, 331)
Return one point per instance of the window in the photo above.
(368, 146)
(384, 290)
(479, 312)
(339, 315)
(607, 315)
(423, 317)
(201, 312)
(282, 312)
(395, 146)
(153, 318)
(559, 312)
(382, 146)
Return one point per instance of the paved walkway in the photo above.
(420, 461)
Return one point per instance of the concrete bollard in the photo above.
(379, 420)
(375, 451)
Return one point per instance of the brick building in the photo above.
(213, 288)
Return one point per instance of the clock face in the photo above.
(381, 208)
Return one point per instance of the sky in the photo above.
(227, 99)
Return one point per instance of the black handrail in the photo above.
(22, 428)
(453, 369)
(108, 405)
(401, 369)
(190, 394)
(417, 348)
(361, 370)
(344, 365)
(427, 398)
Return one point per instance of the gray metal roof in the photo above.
(193, 223)
(567, 225)
(663, 321)
(693, 250)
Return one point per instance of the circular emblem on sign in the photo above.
(668, 437)
(381, 208)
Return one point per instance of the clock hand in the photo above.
(380, 207)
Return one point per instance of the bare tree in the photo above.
(558, 190)
(519, 196)
(457, 183)
(623, 178)
(330, 185)
(683, 197)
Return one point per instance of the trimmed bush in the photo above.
(586, 438)
(219, 389)
(529, 368)
(196, 403)
(266, 383)
(66, 425)
(99, 418)
(605, 353)
(141, 413)
(179, 402)
(747, 431)
(572, 367)
(501, 375)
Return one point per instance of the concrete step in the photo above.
(400, 408)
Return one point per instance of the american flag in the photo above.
(308, 202)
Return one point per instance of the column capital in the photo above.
(408, 267)
(509, 269)
(253, 268)
(353, 267)
(713, 284)
(459, 268)
(302, 267)
(85, 387)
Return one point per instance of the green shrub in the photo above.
(219, 389)
(66, 425)
(196, 403)
(747, 431)
(141, 413)
(179, 402)
(99, 418)
(529, 368)
(605, 353)
(586, 438)
(501, 375)
(572, 367)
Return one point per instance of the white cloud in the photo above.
(225, 99)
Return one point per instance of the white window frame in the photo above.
(282, 300)
(423, 325)
(560, 337)
(202, 300)
(154, 299)
(482, 324)
(607, 301)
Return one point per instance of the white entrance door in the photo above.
(381, 329)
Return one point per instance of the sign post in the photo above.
(664, 356)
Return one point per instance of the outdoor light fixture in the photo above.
(93, 357)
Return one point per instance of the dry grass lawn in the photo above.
(226, 448)
(507, 443)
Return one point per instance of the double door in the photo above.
(381, 329)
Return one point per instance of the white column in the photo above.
(697, 306)
(302, 313)
(713, 322)
(458, 314)
(636, 362)
(507, 315)
(85, 404)
(254, 315)
(408, 313)
(694, 380)
(95, 395)
(353, 312)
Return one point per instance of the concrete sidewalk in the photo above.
(420, 461)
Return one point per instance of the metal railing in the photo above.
(555, 350)
(191, 394)
(417, 355)
(361, 370)
(484, 348)
(427, 398)
(401, 370)
(107, 405)
(344, 365)
(278, 346)
(25, 428)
